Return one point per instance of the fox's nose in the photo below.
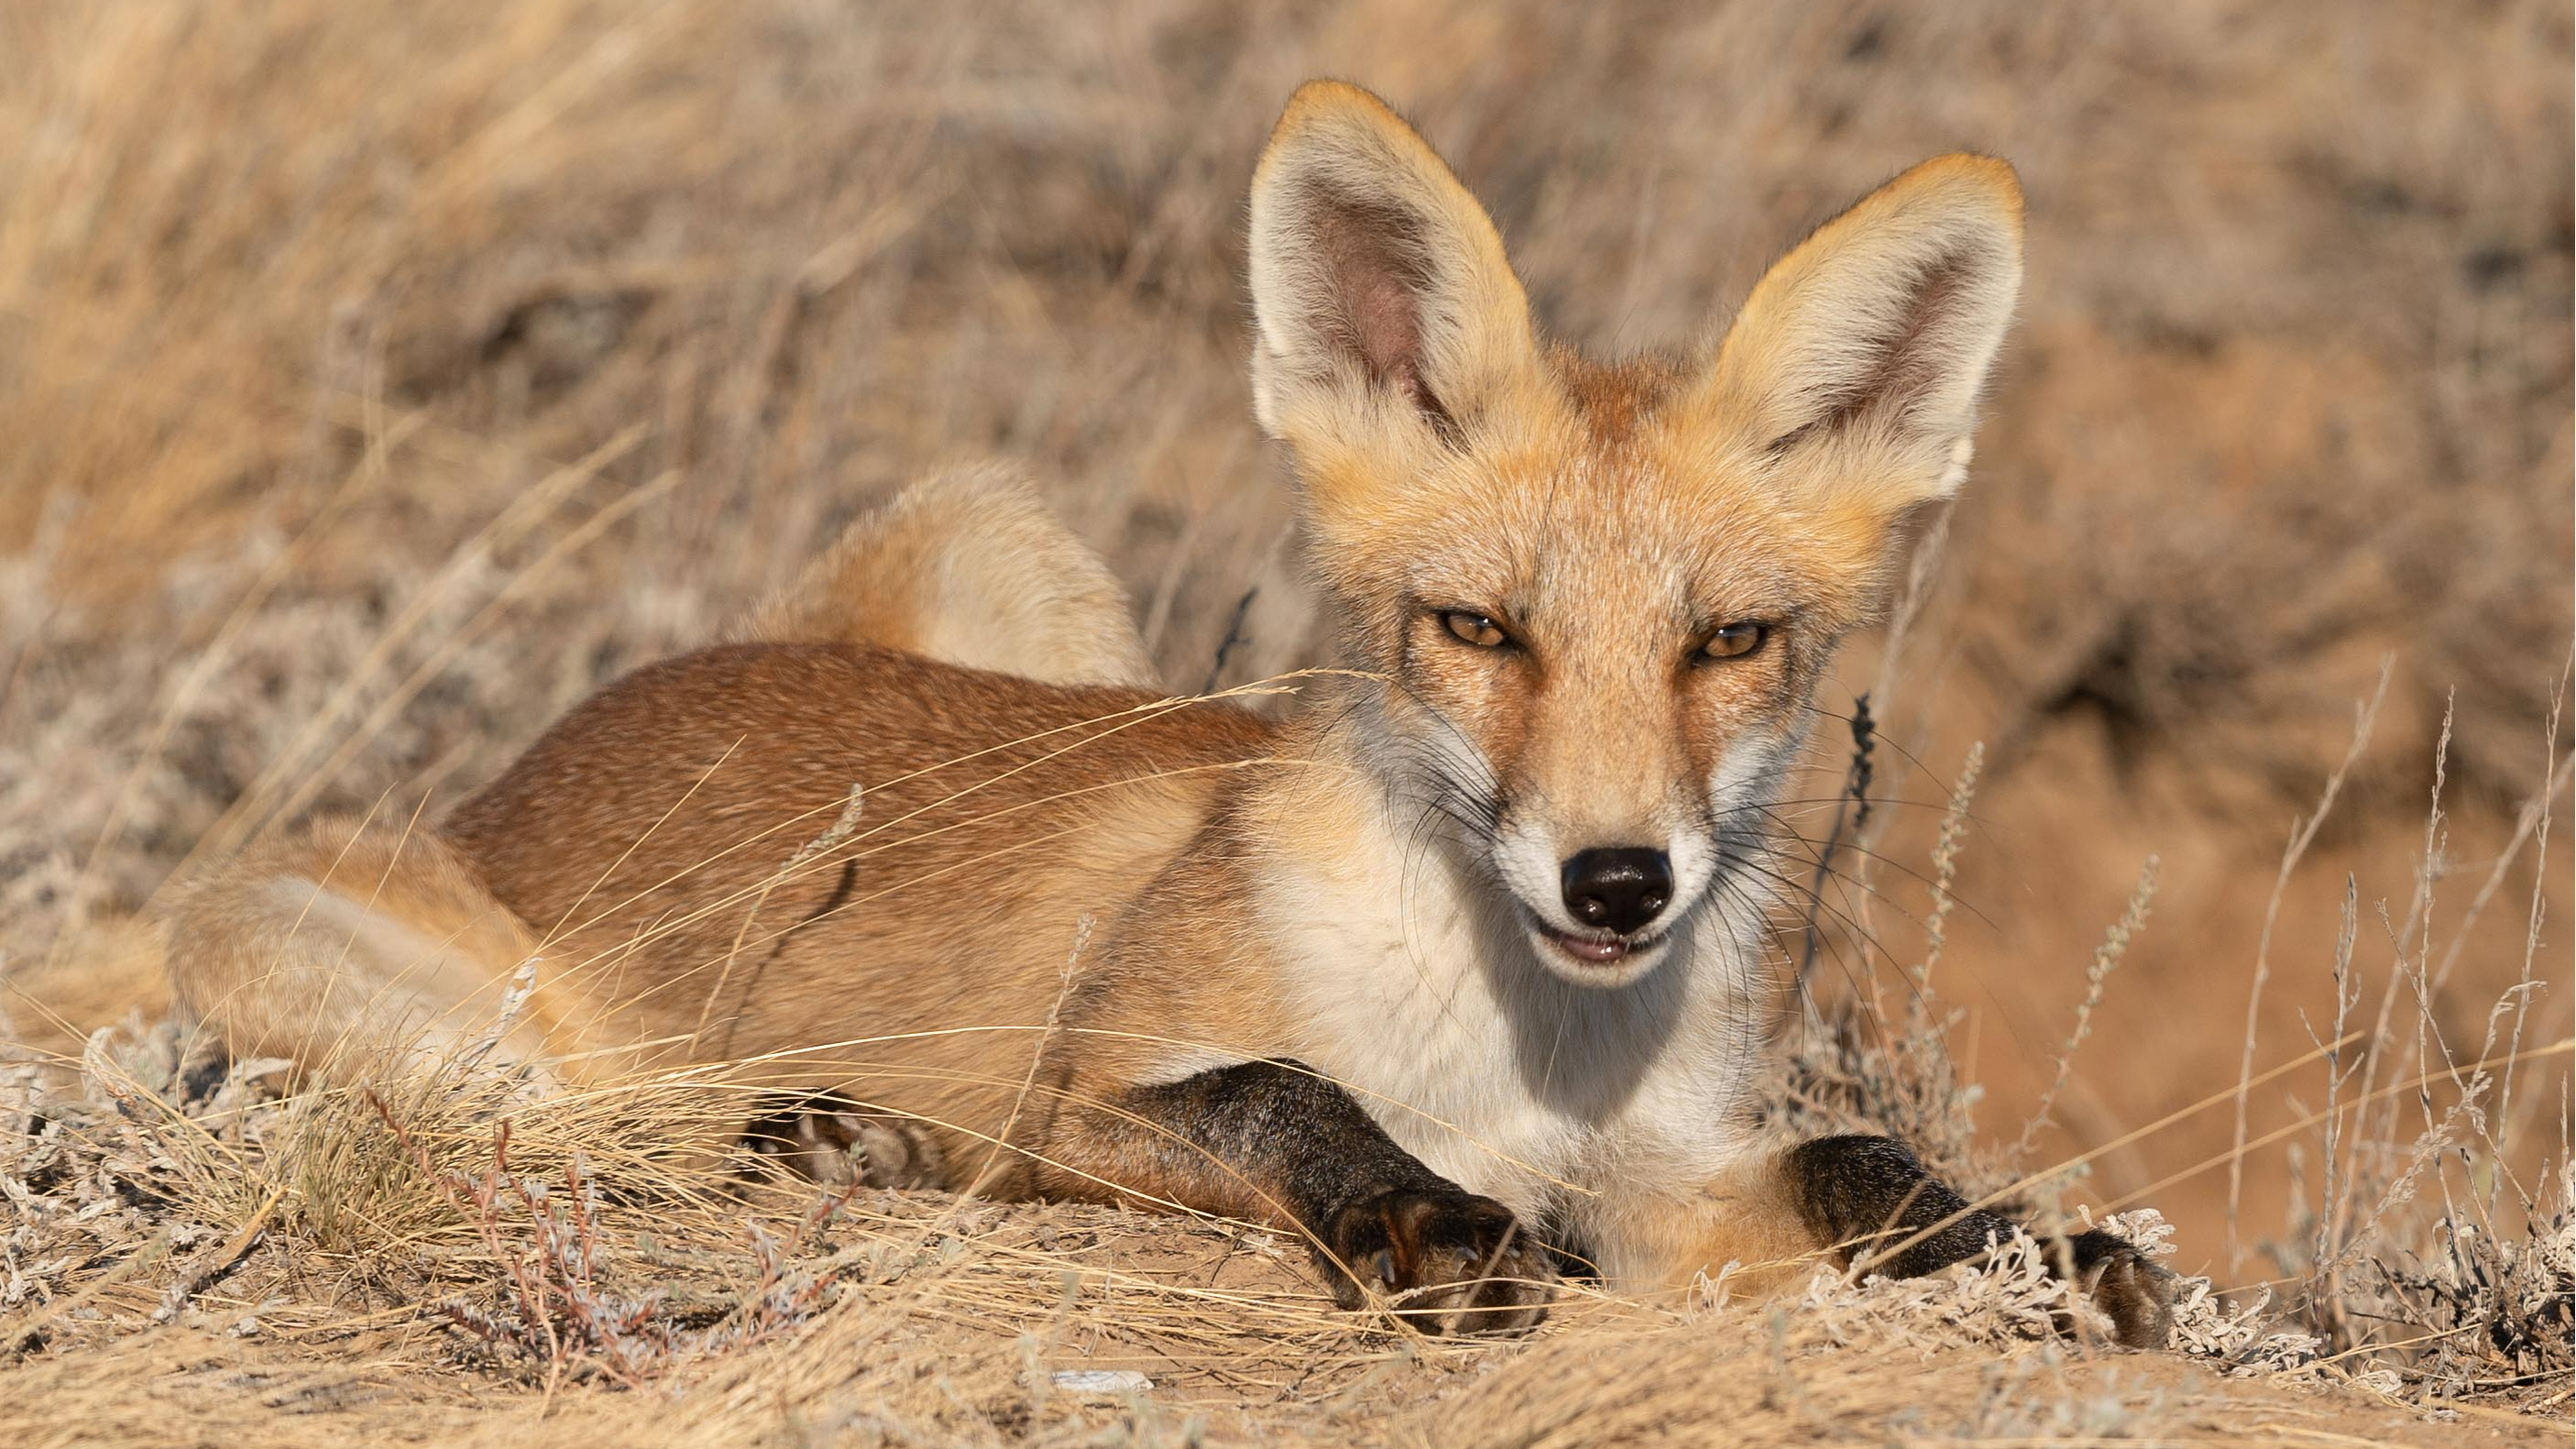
(1618, 889)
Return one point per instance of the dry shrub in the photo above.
(2425, 1261)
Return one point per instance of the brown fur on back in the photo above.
(679, 843)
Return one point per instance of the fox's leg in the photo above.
(1855, 1199)
(330, 946)
(970, 568)
(1271, 1141)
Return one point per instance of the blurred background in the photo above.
(376, 379)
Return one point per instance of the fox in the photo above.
(1458, 968)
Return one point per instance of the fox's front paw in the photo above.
(1446, 1261)
(2124, 1283)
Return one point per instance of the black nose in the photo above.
(1618, 889)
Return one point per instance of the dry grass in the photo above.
(390, 1260)
(377, 379)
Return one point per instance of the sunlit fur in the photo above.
(1046, 894)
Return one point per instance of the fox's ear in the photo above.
(1383, 306)
(1857, 361)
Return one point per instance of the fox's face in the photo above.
(1595, 598)
(1598, 644)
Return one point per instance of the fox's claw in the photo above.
(1446, 1260)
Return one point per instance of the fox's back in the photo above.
(878, 842)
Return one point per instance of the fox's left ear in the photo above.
(1857, 361)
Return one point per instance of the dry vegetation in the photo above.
(377, 379)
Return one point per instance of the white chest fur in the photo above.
(1412, 984)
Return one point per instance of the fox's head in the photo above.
(1600, 595)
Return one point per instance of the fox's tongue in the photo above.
(1593, 950)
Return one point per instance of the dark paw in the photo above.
(1443, 1260)
(828, 1141)
(2122, 1282)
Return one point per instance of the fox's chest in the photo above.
(1502, 1076)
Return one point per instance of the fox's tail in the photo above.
(343, 939)
(340, 946)
(320, 945)
(966, 567)
(100, 974)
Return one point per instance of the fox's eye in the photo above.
(1734, 641)
(1475, 628)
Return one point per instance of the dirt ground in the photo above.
(975, 1325)
(1671, 1386)
(378, 379)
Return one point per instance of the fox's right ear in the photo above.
(1385, 313)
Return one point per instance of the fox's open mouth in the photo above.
(1590, 950)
